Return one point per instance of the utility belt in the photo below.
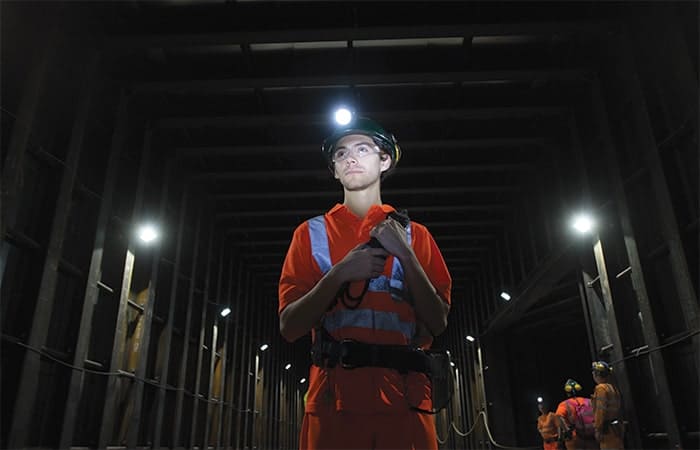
(327, 352)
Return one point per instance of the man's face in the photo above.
(358, 162)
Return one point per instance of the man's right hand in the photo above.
(362, 263)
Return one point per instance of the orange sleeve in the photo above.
(430, 258)
(600, 404)
(562, 411)
(300, 272)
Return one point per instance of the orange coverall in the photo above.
(568, 413)
(365, 407)
(548, 426)
(606, 408)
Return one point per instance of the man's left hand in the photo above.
(392, 235)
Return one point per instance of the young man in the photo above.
(369, 306)
(609, 426)
(576, 419)
(548, 427)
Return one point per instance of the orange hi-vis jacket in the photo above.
(606, 405)
(567, 410)
(607, 408)
(385, 316)
(548, 426)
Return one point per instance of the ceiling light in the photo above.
(505, 296)
(225, 312)
(264, 347)
(583, 223)
(470, 338)
(288, 366)
(147, 233)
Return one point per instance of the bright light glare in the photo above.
(539, 399)
(225, 312)
(147, 233)
(302, 381)
(583, 223)
(505, 296)
(343, 116)
(470, 338)
(264, 347)
(452, 363)
(288, 366)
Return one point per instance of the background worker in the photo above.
(607, 408)
(548, 426)
(354, 401)
(576, 419)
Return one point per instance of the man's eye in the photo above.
(363, 148)
(340, 154)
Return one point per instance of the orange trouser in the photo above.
(550, 445)
(339, 430)
(579, 444)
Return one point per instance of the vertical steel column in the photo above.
(669, 225)
(108, 413)
(224, 358)
(617, 353)
(137, 393)
(182, 371)
(75, 388)
(13, 166)
(163, 385)
(234, 359)
(31, 366)
(244, 366)
(656, 359)
(200, 342)
(212, 347)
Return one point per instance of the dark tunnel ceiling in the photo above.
(479, 97)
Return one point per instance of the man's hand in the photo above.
(362, 263)
(392, 235)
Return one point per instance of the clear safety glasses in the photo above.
(357, 151)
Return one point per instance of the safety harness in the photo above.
(328, 352)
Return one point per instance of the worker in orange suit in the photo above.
(548, 426)
(372, 287)
(607, 408)
(575, 416)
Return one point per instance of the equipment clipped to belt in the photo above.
(327, 352)
(344, 296)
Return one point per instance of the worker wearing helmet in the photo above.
(576, 419)
(609, 426)
(548, 426)
(364, 280)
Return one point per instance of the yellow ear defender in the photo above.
(572, 386)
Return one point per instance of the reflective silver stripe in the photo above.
(321, 252)
(319, 243)
(368, 318)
